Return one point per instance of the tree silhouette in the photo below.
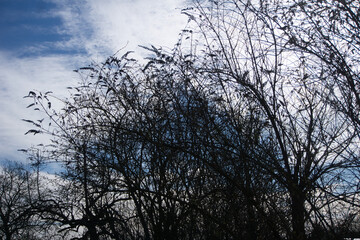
(236, 133)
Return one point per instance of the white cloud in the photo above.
(104, 27)
(18, 77)
(139, 22)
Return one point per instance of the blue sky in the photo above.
(25, 23)
(42, 41)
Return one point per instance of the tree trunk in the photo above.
(298, 215)
(92, 233)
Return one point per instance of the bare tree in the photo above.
(236, 115)
(17, 218)
(245, 52)
(327, 33)
(153, 139)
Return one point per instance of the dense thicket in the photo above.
(248, 129)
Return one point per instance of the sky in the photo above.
(43, 41)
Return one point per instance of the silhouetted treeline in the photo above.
(247, 129)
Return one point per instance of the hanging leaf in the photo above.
(30, 105)
(33, 131)
(26, 120)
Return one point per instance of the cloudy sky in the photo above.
(42, 41)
